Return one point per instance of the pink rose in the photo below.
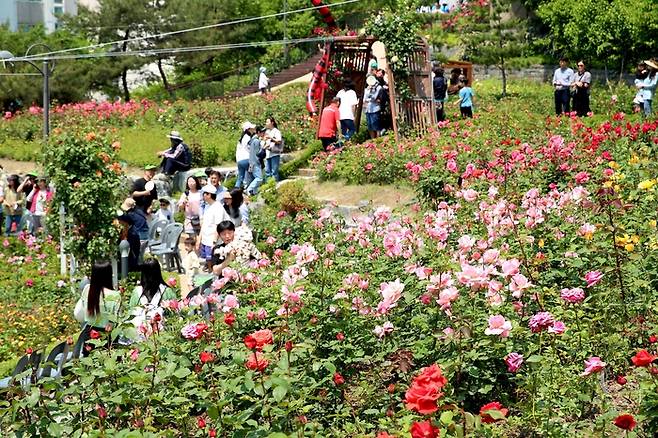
(593, 365)
(557, 328)
(593, 277)
(498, 325)
(230, 303)
(514, 361)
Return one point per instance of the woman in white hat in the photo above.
(263, 81)
(178, 157)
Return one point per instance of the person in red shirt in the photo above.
(330, 124)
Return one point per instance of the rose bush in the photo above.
(518, 300)
(32, 296)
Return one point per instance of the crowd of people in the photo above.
(572, 88)
(25, 203)
(338, 119)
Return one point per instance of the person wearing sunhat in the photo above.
(648, 85)
(373, 101)
(144, 191)
(178, 157)
(213, 214)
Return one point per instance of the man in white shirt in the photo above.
(562, 79)
(347, 108)
(212, 215)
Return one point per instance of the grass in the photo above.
(140, 144)
(376, 195)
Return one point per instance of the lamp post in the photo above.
(45, 71)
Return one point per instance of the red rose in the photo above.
(201, 423)
(102, 413)
(424, 429)
(653, 339)
(257, 340)
(340, 336)
(338, 379)
(257, 361)
(425, 390)
(621, 380)
(493, 406)
(212, 433)
(229, 319)
(206, 357)
(384, 434)
(289, 346)
(93, 334)
(625, 421)
(643, 358)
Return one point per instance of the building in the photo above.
(24, 14)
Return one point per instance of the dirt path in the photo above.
(20, 167)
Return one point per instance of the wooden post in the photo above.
(392, 101)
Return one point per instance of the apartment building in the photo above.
(24, 14)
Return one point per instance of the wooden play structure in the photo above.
(349, 57)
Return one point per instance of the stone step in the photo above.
(307, 171)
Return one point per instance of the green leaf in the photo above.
(279, 393)
(446, 417)
(495, 414)
(181, 373)
(534, 359)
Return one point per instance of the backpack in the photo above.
(186, 156)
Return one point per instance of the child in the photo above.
(191, 265)
(465, 99)
(164, 212)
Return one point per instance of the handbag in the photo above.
(195, 221)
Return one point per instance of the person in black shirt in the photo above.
(138, 231)
(440, 88)
(143, 197)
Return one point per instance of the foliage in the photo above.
(398, 29)
(494, 38)
(33, 295)
(83, 166)
(515, 302)
(610, 33)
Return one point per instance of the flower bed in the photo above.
(210, 127)
(33, 296)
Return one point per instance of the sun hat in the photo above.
(371, 80)
(175, 135)
(651, 63)
(226, 194)
(263, 69)
(150, 167)
(200, 174)
(248, 125)
(209, 189)
(128, 204)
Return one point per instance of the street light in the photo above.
(45, 71)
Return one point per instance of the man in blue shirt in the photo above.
(562, 79)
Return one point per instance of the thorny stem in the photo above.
(620, 278)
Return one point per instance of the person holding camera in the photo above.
(273, 148)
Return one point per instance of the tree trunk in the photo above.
(163, 75)
(621, 67)
(124, 82)
(124, 71)
(503, 73)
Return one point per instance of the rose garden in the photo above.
(516, 295)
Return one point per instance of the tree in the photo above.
(495, 37)
(603, 32)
